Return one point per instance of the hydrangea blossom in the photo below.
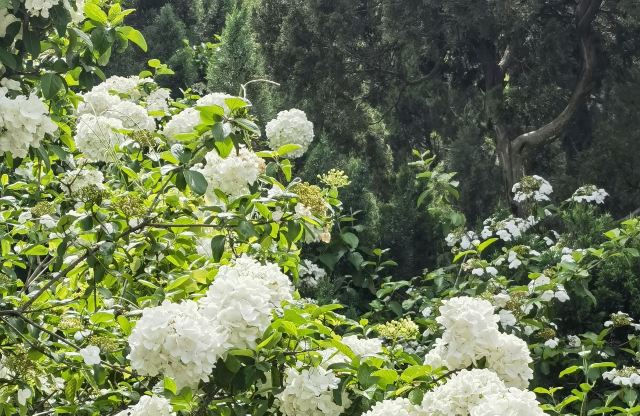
(361, 347)
(90, 355)
(589, 193)
(6, 19)
(175, 340)
(97, 102)
(243, 297)
(532, 188)
(40, 7)
(96, 137)
(512, 402)
(310, 273)
(309, 392)
(183, 122)
(462, 392)
(470, 327)
(509, 359)
(508, 229)
(126, 86)
(627, 376)
(466, 239)
(132, 116)
(216, 98)
(149, 406)
(290, 127)
(24, 121)
(79, 179)
(471, 333)
(158, 100)
(395, 407)
(232, 175)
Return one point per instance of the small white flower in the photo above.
(90, 355)
(23, 396)
(552, 343)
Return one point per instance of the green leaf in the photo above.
(38, 250)
(101, 317)
(217, 247)
(8, 59)
(95, 13)
(196, 181)
(486, 244)
(235, 103)
(50, 84)
(177, 283)
(569, 370)
(31, 42)
(134, 36)
(415, 371)
(70, 389)
(608, 364)
(385, 376)
(248, 125)
(124, 323)
(287, 148)
(351, 239)
(154, 63)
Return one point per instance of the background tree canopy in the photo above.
(462, 79)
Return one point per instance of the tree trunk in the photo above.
(511, 151)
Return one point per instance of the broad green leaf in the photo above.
(95, 13)
(134, 36)
(50, 84)
(196, 181)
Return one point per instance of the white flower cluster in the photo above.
(115, 104)
(471, 333)
(40, 7)
(508, 229)
(309, 392)
(627, 376)
(24, 121)
(395, 407)
(149, 406)
(96, 137)
(6, 19)
(78, 179)
(621, 319)
(310, 273)
(290, 127)
(361, 347)
(184, 341)
(187, 120)
(532, 188)
(243, 297)
(589, 193)
(479, 393)
(549, 290)
(176, 340)
(466, 239)
(232, 175)
(181, 123)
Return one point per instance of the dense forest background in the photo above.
(379, 78)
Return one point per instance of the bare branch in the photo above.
(585, 13)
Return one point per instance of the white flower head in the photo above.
(149, 406)
(243, 297)
(97, 137)
(290, 127)
(175, 340)
(90, 355)
(309, 392)
(233, 174)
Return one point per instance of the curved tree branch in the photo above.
(585, 14)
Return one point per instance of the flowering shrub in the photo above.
(152, 263)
